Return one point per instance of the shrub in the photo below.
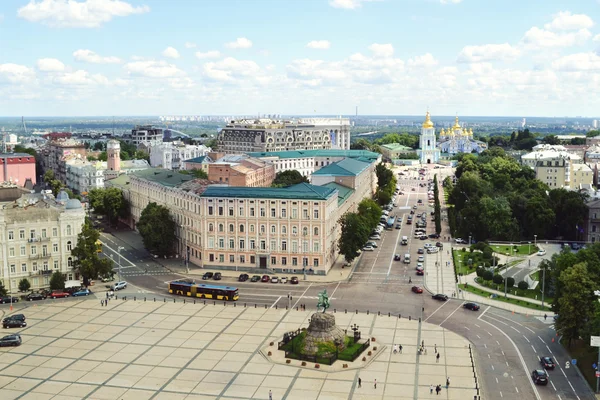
(479, 271)
(304, 363)
(523, 285)
(488, 275)
(510, 281)
(498, 279)
(464, 250)
(288, 361)
(24, 285)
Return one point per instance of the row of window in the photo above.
(35, 267)
(262, 212)
(262, 245)
(33, 232)
(252, 260)
(263, 229)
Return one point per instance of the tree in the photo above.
(355, 233)
(87, 261)
(103, 156)
(109, 202)
(479, 271)
(141, 155)
(370, 211)
(3, 291)
(199, 173)
(157, 229)
(577, 303)
(488, 275)
(50, 180)
(57, 281)
(288, 178)
(523, 285)
(510, 282)
(498, 279)
(98, 146)
(24, 285)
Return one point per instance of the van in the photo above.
(119, 285)
(404, 240)
(407, 258)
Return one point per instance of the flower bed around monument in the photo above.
(327, 352)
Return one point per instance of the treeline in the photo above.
(496, 198)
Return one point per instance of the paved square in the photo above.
(156, 350)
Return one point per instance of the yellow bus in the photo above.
(191, 289)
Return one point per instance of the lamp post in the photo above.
(535, 240)
(119, 251)
(506, 272)
(304, 260)
(543, 283)
(529, 247)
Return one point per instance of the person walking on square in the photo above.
(270, 395)
(423, 343)
(430, 389)
(447, 382)
(102, 303)
(375, 383)
(400, 349)
(437, 358)
(435, 348)
(395, 348)
(425, 348)
(438, 389)
(107, 295)
(359, 382)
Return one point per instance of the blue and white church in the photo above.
(428, 151)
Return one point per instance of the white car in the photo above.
(432, 250)
(368, 248)
(283, 279)
(419, 267)
(375, 237)
(541, 252)
(427, 245)
(459, 240)
(421, 259)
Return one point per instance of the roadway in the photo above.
(507, 346)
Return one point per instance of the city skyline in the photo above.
(321, 57)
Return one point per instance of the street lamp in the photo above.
(543, 283)
(119, 251)
(506, 272)
(529, 247)
(535, 240)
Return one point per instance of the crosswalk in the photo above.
(149, 273)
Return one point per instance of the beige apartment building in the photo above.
(241, 170)
(55, 153)
(37, 234)
(562, 173)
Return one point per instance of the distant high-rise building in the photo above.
(595, 124)
(524, 122)
(144, 134)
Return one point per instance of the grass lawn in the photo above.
(585, 356)
(296, 345)
(520, 249)
(535, 276)
(461, 260)
(516, 302)
(515, 291)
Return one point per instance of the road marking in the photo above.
(489, 333)
(276, 301)
(502, 351)
(515, 329)
(496, 379)
(479, 337)
(517, 389)
(526, 339)
(467, 328)
(485, 345)
(501, 394)
(498, 342)
(534, 350)
(459, 306)
(530, 330)
(303, 293)
(336, 288)
(493, 369)
(436, 310)
(535, 391)
(541, 339)
(477, 325)
(508, 366)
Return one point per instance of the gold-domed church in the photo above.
(458, 140)
(428, 151)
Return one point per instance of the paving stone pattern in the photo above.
(147, 350)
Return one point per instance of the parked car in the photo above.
(417, 289)
(19, 317)
(243, 278)
(35, 296)
(434, 236)
(372, 244)
(419, 267)
(397, 257)
(547, 362)
(421, 259)
(294, 280)
(283, 279)
(368, 248)
(420, 272)
(207, 275)
(398, 226)
(120, 286)
(541, 252)
(255, 278)
(11, 340)
(439, 244)
(423, 237)
(274, 280)
(59, 294)
(471, 306)
(217, 276)
(7, 300)
(440, 296)
(82, 292)
(421, 251)
(13, 323)
(375, 237)
(459, 241)
(265, 278)
(540, 377)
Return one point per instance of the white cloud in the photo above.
(240, 43)
(597, 38)
(50, 65)
(450, 1)
(348, 4)
(542, 38)
(76, 14)
(190, 45)
(81, 77)
(319, 44)
(425, 61)
(382, 50)
(16, 73)
(89, 56)
(170, 52)
(153, 69)
(578, 62)
(208, 54)
(229, 69)
(487, 52)
(565, 21)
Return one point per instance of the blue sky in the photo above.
(234, 57)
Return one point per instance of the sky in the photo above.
(300, 57)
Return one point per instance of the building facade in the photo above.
(17, 168)
(83, 175)
(56, 152)
(267, 135)
(546, 152)
(144, 134)
(459, 140)
(428, 151)
(241, 170)
(37, 235)
(172, 155)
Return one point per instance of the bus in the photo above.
(190, 288)
(390, 223)
(98, 246)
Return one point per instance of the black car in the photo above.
(547, 362)
(217, 276)
(294, 280)
(13, 323)
(207, 275)
(255, 278)
(7, 300)
(397, 257)
(398, 226)
(440, 296)
(471, 306)
(434, 236)
(19, 317)
(243, 278)
(35, 296)
(540, 377)
(10, 340)
(420, 251)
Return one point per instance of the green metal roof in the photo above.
(301, 191)
(343, 192)
(163, 176)
(121, 181)
(345, 167)
(196, 160)
(317, 153)
(396, 146)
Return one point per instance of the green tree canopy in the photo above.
(57, 281)
(370, 211)
(288, 178)
(109, 202)
(355, 233)
(24, 285)
(157, 229)
(87, 261)
(3, 291)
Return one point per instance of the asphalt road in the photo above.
(507, 346)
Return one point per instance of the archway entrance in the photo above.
(429, 161)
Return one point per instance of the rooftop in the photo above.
(163, 176)
(14, 155)
(345, 167)
(343, 192)
(396, 147)
(318, 153)
(301, 191)
(198, 160)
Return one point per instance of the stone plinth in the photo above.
(322, 329)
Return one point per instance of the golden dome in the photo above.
(456, 124)
(442, 132)
(427, 123)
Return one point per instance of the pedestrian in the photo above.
(400, 349)
(438, 389)
(375, 383)
(102, 303)
(545, 316)
(106, 302)
(359, 382)
(409, 280)
(395, 348)
(447, 382)
(435, 348)
(107, 295)
(430, 389)
(437, 358)
(423, 343)
(425, 348)
(270, 395)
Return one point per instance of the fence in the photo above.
(477, 396)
